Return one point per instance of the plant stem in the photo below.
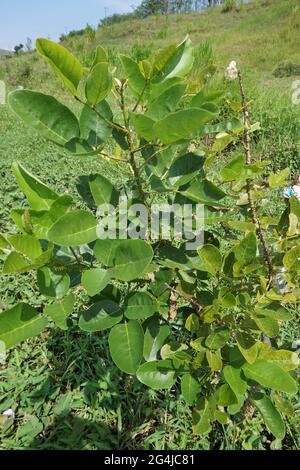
(108, 122)
(132, 152)
(247, 146)
(112, 157)
(140, 97)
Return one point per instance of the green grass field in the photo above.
(65, 390)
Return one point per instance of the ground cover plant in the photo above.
(203, 319)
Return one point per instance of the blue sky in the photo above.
(20, 19)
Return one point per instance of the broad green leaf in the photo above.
(137, 82)
(17, 263)
(235, 380)
(101, 316)
(74, 229)
(204, 192)
(202, 417)
(53, 284)
(291, 259)
(143, 125)
(94, 127)
(39, 196)
(287, 360)
(104, 251)
(211, 258)
(184, 169)
(99, 83)
(214, 360)
(273, 310)
(181, 61)
(190, 388)
(218, 338)
(157, 374)
(269, 326)
(19, 323)
(139, 306)
(167, 102)
(45, 114)
(100, 56)
(27, 245)
(270, 375)
(103, 191)
(155, 336)
(126, 346)
(247, 346)
(271, 416)
(64, 64)
(130, 259)
(181, 124)
(95, 280)
(60, 311)
(225, 396)
(277, 180)
(234, 170)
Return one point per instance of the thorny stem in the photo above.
(247, 146)
(132, 152)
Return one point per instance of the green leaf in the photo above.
(287, 360)
(180, 63)
(157, 374)
(100, 56)
(184, 169)
(137, 82)
(155, 336)
(269, 326)
(211, 258)
(273, 310)
(218, 338)
(247, 346)
(167, 102)
(74, 229)
(53, 284)
(126, 346)
(104, 251)
(103, 191)
(99, 83)
(225, 396)
(59, 311)
(39, 196)
(27, 245)
(139, 306)
(190, 388)
(277, 180)
(20, 323)
(204, 192)
(64, 64)
(130, 259)
(235, 380)
(270, 375)
(143, 125)
(95, 280)
(45, 114)
(32, 428)
(100, 316)
(214, 360)
(271, 416)
(181, 124)
(202, 416)
(93, 128)
(234, 170)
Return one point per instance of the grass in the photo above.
(66, 392)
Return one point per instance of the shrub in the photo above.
(199, 314)
(286, 69)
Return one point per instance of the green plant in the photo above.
(230, 5)
(200, 316)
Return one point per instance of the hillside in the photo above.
(259, 37)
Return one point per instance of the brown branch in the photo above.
(247, 147)
(191, 300)
(112, 157)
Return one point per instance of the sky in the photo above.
(20, 19)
